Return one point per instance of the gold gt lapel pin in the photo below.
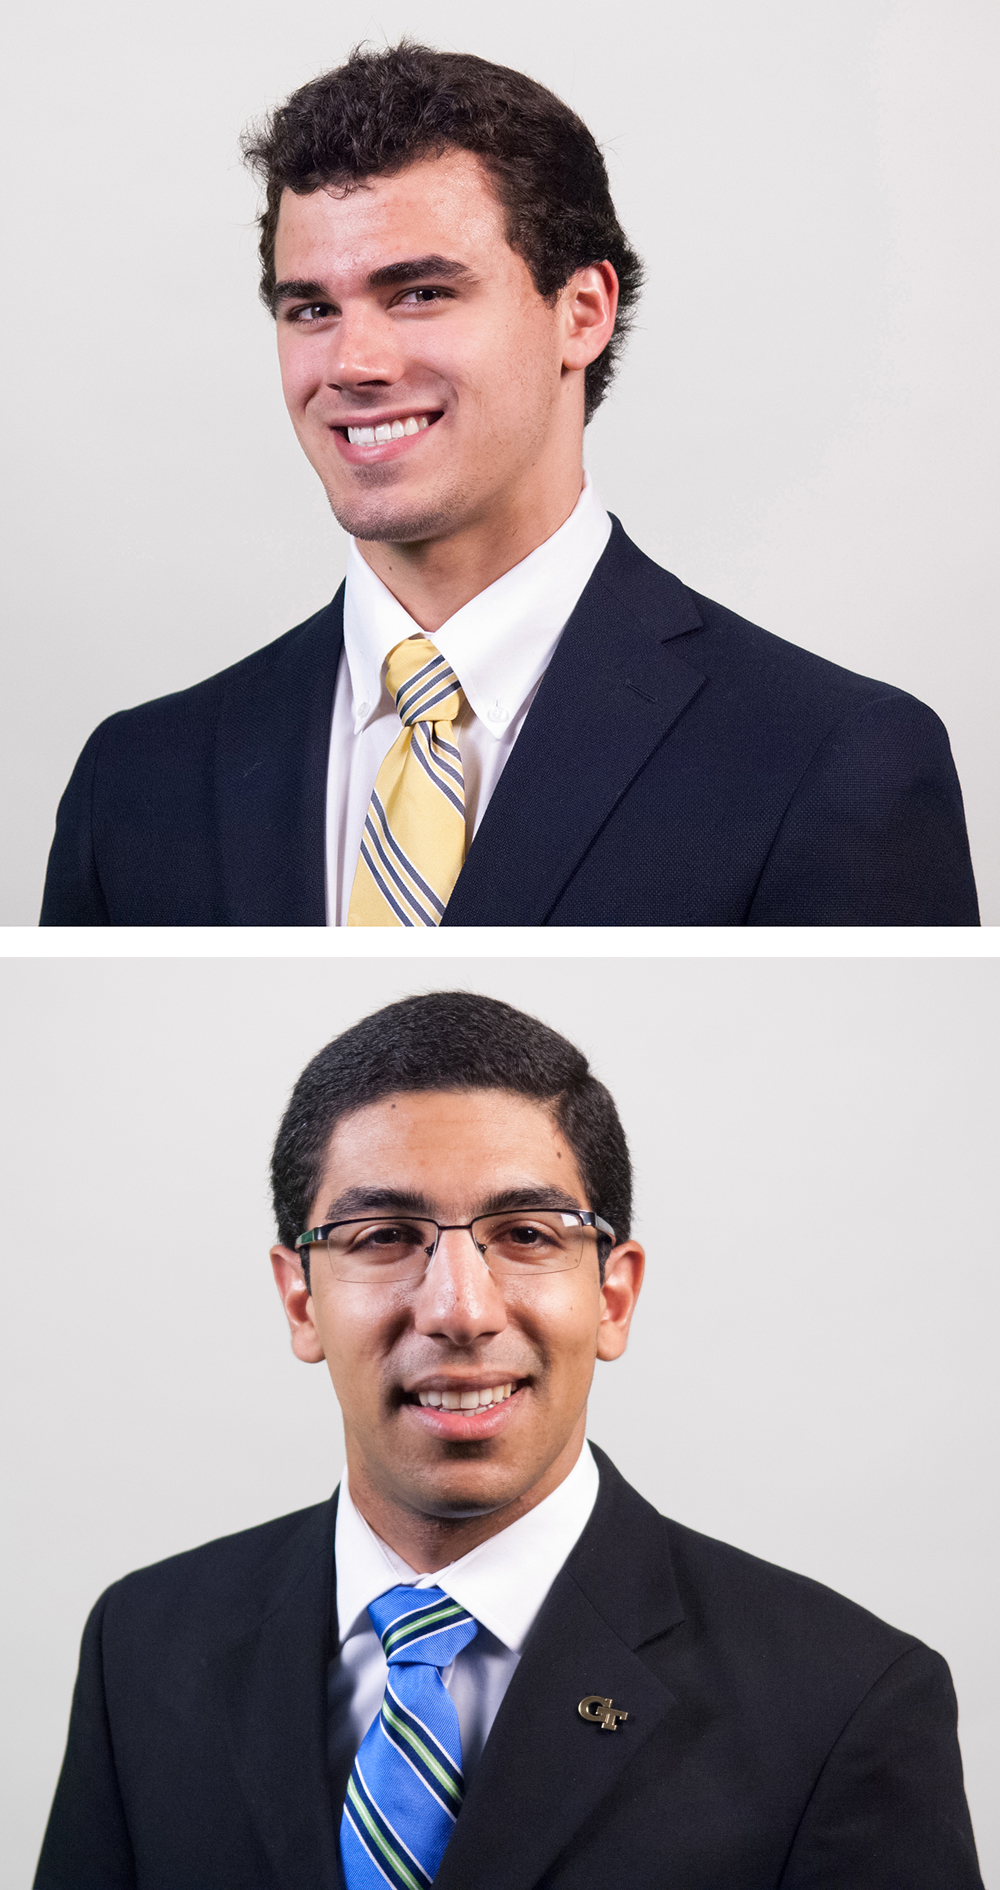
(601, 1713)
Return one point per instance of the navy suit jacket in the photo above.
(678, 766)
(778, 1737)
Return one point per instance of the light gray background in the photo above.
(805, 427)
(813, 1368)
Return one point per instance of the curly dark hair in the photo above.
(383, 110)
(448, 1040)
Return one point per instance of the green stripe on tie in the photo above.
(414, 1629)
(413, 1739)
(392, 1857)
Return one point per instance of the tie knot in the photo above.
(421, 1625)
(423, 684)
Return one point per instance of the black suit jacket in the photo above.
(677, 767)
(778, 1735)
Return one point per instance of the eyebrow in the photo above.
(446, 268)
(390, 276)
(377, 1201)
(295, 287)
(358, 1201)
(536, 1197)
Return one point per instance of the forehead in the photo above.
(438, 205)
(447, 1143)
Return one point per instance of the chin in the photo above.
(380, 516)
(458, 1497)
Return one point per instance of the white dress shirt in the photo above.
(499, 645)
(503, 1583)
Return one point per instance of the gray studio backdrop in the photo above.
(813, 1368)
(805, 427)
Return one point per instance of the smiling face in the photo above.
(431, 387)
(413, 1464)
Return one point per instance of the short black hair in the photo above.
(383, 110)
(448, 1040)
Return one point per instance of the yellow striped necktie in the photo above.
(413, 843)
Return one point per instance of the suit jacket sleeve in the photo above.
(87, 1844)
(889, 1808)
(875, 832)
(73, 893)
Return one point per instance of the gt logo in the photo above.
(601, 1712)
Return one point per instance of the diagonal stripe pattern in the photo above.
(405, 1790)
(413, 843)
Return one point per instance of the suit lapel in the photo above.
(610, 696)
(544, 1771)
(273, 1681)
(272, 751)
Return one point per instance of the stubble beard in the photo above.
(373, 514)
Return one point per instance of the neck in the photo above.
(434, 577)
(428, 1541)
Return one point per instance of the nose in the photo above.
(365, 352)
(458, 1299)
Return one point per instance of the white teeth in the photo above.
(394, 430)
(466, 1400)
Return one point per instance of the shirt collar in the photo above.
(503, 1582)
(499, 643)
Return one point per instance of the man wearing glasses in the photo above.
(487, 1661)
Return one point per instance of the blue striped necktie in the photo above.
(405, 1790)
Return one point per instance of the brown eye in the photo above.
(387, 1236)
(424, 297)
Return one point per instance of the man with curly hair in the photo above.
(509, 715)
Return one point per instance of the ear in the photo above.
(295, 1297)
(622, 1280)
(589, 306)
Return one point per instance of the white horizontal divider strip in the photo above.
(275, 941)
